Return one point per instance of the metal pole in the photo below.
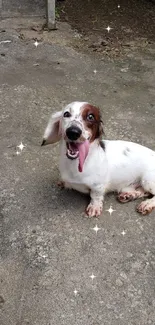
(51, 24)
(0, 8)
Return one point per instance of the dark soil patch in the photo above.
(132, 23)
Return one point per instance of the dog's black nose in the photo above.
(73, 132)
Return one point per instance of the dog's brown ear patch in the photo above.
(94, 123)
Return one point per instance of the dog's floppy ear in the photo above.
(53, 130)
(101, 129)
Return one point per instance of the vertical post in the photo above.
(51, 24)
(0, 8)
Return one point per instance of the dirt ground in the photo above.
(132, 23)
(48, 250)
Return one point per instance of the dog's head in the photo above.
(79, 124)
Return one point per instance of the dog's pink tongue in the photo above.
(83, 152)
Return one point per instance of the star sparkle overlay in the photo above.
(108, 29)
(110, 210)
(123, 232)
(36, 43)
(21, 146)
(96, 229)
(75, 292)
(95, 71)
(92, 277)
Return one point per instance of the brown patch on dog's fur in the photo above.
(95, 126)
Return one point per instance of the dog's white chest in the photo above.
(93, 171)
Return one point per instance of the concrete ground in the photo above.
(17, 8)
(48, 249)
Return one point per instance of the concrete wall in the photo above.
(15, 8)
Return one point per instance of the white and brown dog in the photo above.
(91, 165)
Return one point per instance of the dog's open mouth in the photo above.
(78, 150)
(72, 150)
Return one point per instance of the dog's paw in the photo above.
(146, 207)
(94, 210)
(124, 197)
(61, 184)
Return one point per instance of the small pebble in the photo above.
(119, 283)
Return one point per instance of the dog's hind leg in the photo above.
(148, 183)
(131, 193)
(147, 206)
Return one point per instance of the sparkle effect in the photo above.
(110, 210)
(118, 6)
(123, 232)
(75, 292)
(108, 29)
(95, 71)
(36, 43)
(21, 146)
(92, 276)
(17, 152)
(96, 229)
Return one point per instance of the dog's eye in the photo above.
(67, 114)
(90, 117)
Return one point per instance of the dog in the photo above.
(90, 164)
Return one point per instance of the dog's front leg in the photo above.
(94, 209)
(63, 185)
